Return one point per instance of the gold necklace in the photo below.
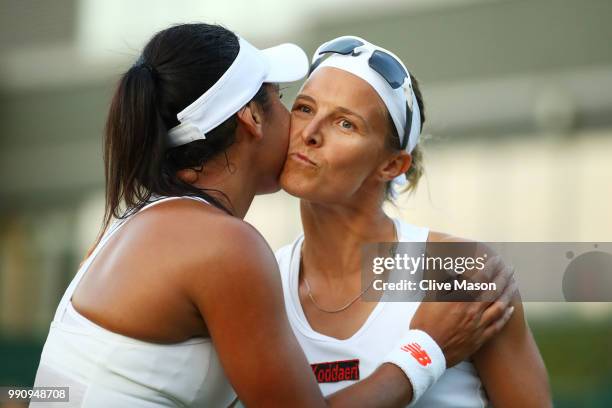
(312, 299)
(346, 306)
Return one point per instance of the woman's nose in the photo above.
(311, 134)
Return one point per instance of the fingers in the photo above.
(496, 310)
(509, 291)
(493, 313)
(503, 279)
(493, 271)
(497, 326)
(492, 268)
(488, 273)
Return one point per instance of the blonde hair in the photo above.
(417, 167)
(416, 170)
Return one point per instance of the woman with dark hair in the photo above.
(180, 302)
(355, 129)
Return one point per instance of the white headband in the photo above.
(394, 99)
(236, 87)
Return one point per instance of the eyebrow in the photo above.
(337, 108)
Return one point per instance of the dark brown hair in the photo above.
(176, 66)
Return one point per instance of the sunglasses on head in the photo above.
(386, 65)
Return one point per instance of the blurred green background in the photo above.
(518, 140)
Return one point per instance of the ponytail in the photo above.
(135, 134)
(177, 66)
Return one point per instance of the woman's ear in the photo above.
(189, 176)
(398, 164)
(251, 118)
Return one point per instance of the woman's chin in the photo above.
(294, 184)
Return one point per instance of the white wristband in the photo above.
(421, 359)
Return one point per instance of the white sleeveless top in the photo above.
(363, 352)
(106, 369)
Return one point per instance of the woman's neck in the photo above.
(226, 180)
(334, 236)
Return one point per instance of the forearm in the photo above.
(411, 367)
(388, 386)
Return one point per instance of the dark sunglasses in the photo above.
(383, 63)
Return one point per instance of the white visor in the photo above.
(236, 87)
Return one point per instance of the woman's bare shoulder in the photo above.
(189, 233)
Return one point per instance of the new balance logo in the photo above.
(418, 353)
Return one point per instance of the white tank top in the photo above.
(106, 369)
(339, 363)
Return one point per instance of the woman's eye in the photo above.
(303, 108)
(346, 124)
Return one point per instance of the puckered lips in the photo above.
(302, 158)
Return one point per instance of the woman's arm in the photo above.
(511, 368)
(235, 283)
